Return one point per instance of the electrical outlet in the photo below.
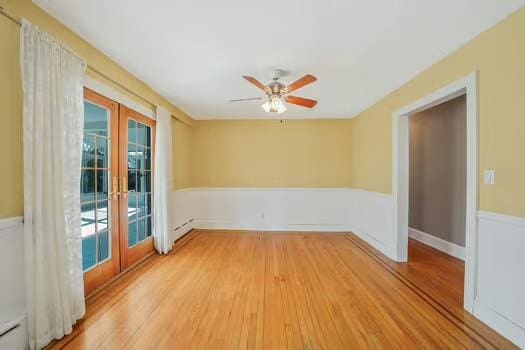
(262, 216)
(489, 177)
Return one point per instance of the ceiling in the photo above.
(194, 52)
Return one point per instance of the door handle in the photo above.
(115, 191)
(124, 188)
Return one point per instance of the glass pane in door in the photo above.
(94, 192)
(139, 182)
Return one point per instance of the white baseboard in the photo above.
(182, 216)
(14, 334)
(223, 225)
(437, 243)
(374, 242)
(500, 323)
(182, 229)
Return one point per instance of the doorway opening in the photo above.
(437, 199)
(466, 89)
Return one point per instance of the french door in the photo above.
(116, 189)
(137, 134)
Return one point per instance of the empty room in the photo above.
(340, 174)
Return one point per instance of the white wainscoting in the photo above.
(372, 219)
(272, 209)
(12, 285)
(438, 243)
(500, 300)
(367, 214)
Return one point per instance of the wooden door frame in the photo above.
(104, 272)
(465, 86)
(129, 257)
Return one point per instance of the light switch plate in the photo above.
(489, 177)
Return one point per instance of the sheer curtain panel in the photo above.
(162, 172)
(52, 79)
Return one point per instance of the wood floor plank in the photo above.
(425, 261)
(222, 308)
(117, 298)
(253, 290)
(306, 273)
(146, 306)
(400, 306)
(177, 316)
(251, 327)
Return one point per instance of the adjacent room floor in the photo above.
(222, 289)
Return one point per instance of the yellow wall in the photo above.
(358, 153)
(11, 198)
(499, 56)
(303, 153)
(11, 155)
(267, 153)
(182, 137)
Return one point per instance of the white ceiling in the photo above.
(194, 52)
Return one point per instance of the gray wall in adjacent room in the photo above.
(438, 170)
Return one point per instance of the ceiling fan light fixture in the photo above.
(277, 93)
(266, 106)
(274, 105)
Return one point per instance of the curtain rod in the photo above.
(94, 70)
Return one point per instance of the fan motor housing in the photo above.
(276, 88)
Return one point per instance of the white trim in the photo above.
(16, 336)
(10, 222)
(19, 321)
(446, 247)
(373, 241)
(117, 96)
(223, 225)
(507, 219)
(500, 323)
(400, 174)
(270, 189)
(181, 230)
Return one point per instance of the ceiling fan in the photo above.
(277, 94)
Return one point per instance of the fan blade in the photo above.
(307, 79)
(304, 102)
(247, 99)
(255, 82)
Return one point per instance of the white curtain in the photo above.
(52, 79)
(162, 183)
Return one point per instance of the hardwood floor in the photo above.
(438, 278)
(224, 289)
